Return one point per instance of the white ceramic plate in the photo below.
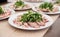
(11, 4)
(34, 9)
(12, 12)
(13, 17)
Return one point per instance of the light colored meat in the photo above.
(26, 7)
(45, 10)
(18, 23)
(41, 23)
(7, 14)
(26, 24)
(45, 20)
(55, 9)
(18, 8)
(33, 24)
(38, 23)
(12, 6)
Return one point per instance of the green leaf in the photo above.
(31, 17)
(57, 1)
(46, 5)
(1, 11)
(19, 3)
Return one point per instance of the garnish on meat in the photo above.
(19, 3)
(30, 19)
(1, 10)
(57, 2)
(46, 7)
(4, 12)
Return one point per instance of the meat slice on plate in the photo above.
(33, 24)
(41, 23)
(45, 20)
(18, 23)
(26, 25)
(6, 14)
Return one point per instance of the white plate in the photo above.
(13, 17)
(30, 5)
(12, 12)
(34, 9)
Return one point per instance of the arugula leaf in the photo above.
(1, 11)
(57, 1)
(50, 6)
(19, 3)
(31, 17)
(46, 5)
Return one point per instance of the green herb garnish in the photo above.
(31, 17)
(46, 5)
(57, 1)
(1, 10)
(19, 3)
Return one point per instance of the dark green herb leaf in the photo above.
(46, 5)
(57, 1)
(1, 11)
(19, 3)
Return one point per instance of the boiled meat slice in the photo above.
(33, 24)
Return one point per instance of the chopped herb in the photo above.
(57, 1)
(1, 10)
(46, 5)
(31, 17)
(19, 3)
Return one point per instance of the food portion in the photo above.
(47, 7)
(30, 19)
(4, 13)
(57, 2)
(20, 5)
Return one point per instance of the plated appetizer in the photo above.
(20, 5)
(30, 20)
(47, 8)
(4, 13)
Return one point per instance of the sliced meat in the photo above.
(5, 14)
(41, 23)
(18, 8)
(19, 17)
(38, 23)
(38, 9)
(26, 24)
(18, 23)
(33, 24)
(12, 6)
(55, 9)
(26, 7)
(2, 16)
(45, 10)
(45, 20)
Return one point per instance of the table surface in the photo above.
(8, 31)
(54, 31)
